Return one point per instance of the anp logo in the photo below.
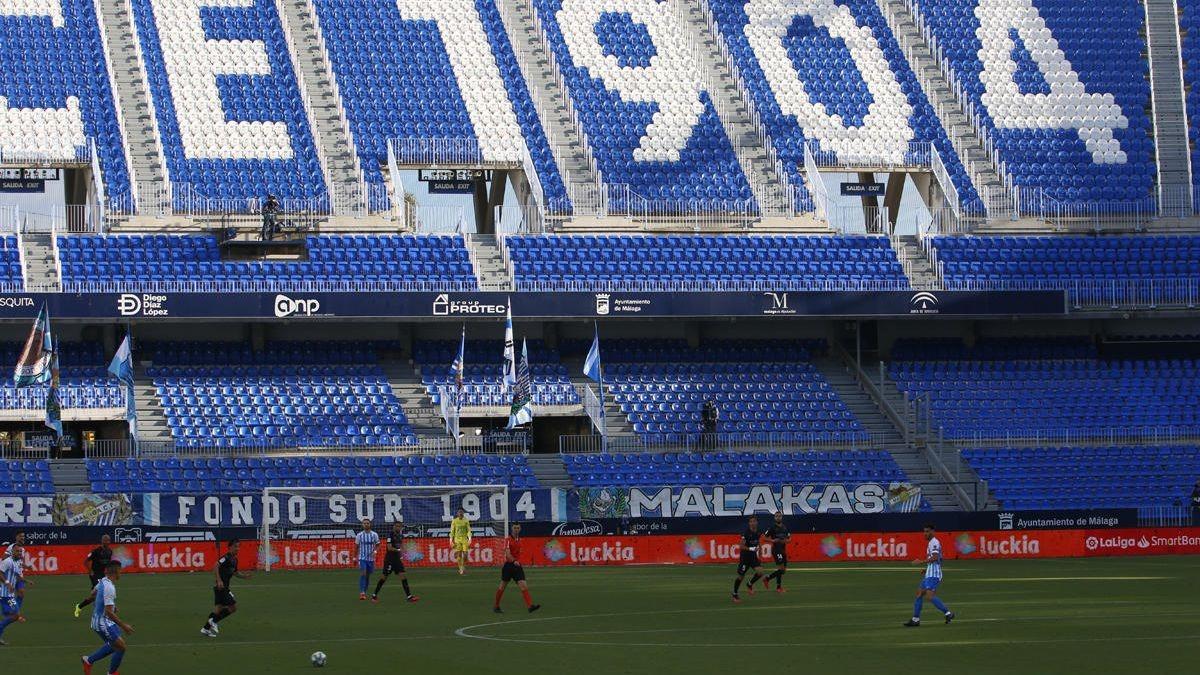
(965, 544)
(693, 549)
(553, 551)
(830, 547)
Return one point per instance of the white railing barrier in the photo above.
(595, 410)
(816, 185)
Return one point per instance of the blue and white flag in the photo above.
(53, 402)
(459, 364)
(121, 367)
(457, 367)
(34, 365)
(522, 404)
(591, 364)
(510, 355)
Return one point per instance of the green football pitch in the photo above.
(1044, 616)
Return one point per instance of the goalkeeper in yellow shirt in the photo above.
(460, 539)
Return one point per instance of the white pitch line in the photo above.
(466, 631)
(1068, 579)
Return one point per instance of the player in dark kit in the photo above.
(513, 571)
(96, 560)
(224, 603)
(779, 535)
(748, 560)
(393, 563)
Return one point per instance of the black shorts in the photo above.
(748, 561)
(393, 564)
(512, 572)
(95, 579)
(223, 597)
(779, 553)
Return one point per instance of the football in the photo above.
(318, 659)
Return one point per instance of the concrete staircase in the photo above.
(967, 144)
(490, 269)
(749, 144)
(147, 168)
(886, 434)
(549, 471)
(152, 420)
(329, 125)
(920, 437)
(916, 264)
(70, 476)
(422, 415)
(572, 154)
(616, 423)
(1170, 113)
(39, 261)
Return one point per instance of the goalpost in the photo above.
(314, 527)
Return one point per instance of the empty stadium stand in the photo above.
(225, 395)
(673, 262)
(1060, 87)
(655, 134)
(1088, 477)
(1164, 267)
(767, 391)
(230, 113)
(831, 73)
(27, 477)
(56, 93)
(10, 264)
(254, 473)
(483, 374)
(84, 382)
(454, 63)
(334, 262)
(1034, 389)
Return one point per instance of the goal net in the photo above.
(314, 528)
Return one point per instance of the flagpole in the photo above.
(131, 394)
(600, 382)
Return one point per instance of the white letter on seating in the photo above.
(44, 132)
(884, 132)
(1068, 106)
(671, 80)
(193, 63)
(479, 79)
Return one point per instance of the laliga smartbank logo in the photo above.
(412, 552)
(693, 549)
(964, 544)
(553, 551)
(831, 547)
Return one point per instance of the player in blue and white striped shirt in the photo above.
(10, 581)
(106, 623)
(368, 542)
(931, 580)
